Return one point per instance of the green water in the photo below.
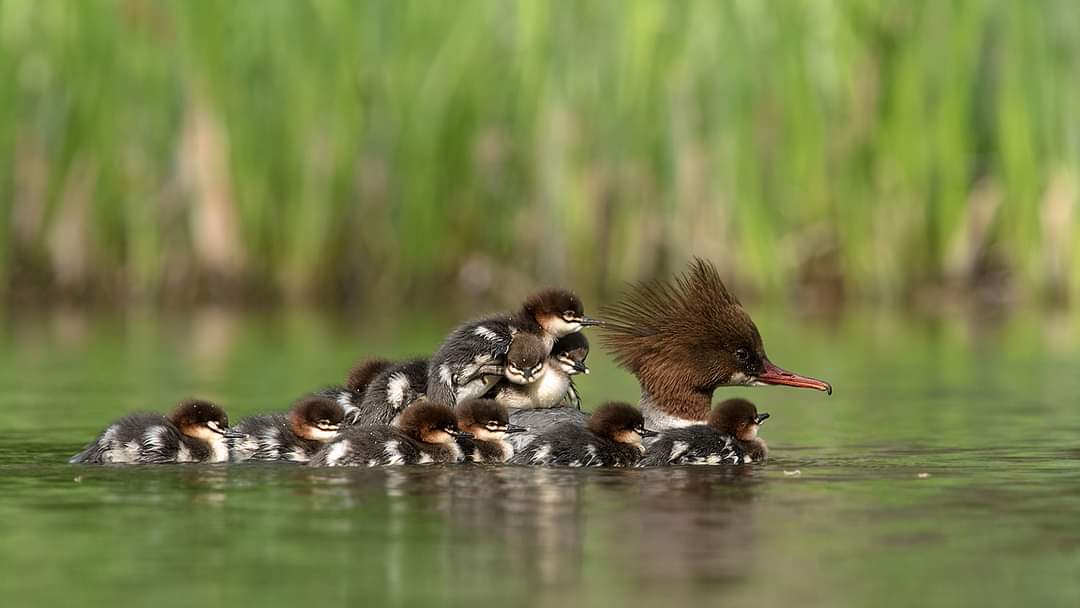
(943, 471)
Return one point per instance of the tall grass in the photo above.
(331, 148)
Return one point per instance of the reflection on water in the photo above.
(944, 468)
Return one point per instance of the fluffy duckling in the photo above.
(294, 436)
(611, 438)
(555, 386)
(196, 431)
(489, 424)
(394, 388)
(729, 437)
(426, 434)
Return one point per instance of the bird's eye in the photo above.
(492, 426)
(569, 315)
(742, 354)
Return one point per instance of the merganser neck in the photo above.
(674, 409)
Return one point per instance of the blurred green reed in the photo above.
(342, 148)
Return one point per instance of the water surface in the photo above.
(943, 471)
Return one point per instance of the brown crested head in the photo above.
(198, 418)
(571, 351)
(525, 359)
(558, 311)
(316, 418)
(620, 422)
(430, 422)
(363, 373)
(738, 418)
(691, 334)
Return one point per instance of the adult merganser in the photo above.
(729, 437)
(478, 348)
(683, 340)
(294, 436)
(612, 438)
(195, 431)
(425, 434)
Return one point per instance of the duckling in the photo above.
(612, 438)
(474, 355)
(196, 431)
(425, 434)
(294, 436)
(350, 394)
(393, 389)
(554, 386)
(489, 423)
(729, 437)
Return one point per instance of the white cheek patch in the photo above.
(322, 435)
(743, 379)
(561, 328)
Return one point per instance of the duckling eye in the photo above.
(568, 315)
(492, 426)
(742, 354)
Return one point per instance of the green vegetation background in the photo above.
(335, 149)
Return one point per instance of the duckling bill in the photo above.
(195, 431)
